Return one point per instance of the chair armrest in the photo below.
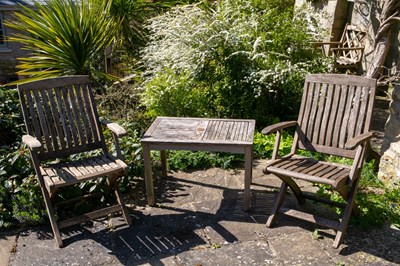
(32, 142)
(347, 49)
(360, 139)
(115, 128)
(326, 43)
(278, 126)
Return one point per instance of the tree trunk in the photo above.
(390, 15)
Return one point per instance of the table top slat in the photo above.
(200, 131)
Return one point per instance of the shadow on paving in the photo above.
(168, 230)
(192, 215)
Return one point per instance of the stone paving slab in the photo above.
(7, 246)
(199, 220)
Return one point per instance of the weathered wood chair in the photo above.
(334, 119)
(61, 120)
(348, 52)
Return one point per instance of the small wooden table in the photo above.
(198, 134)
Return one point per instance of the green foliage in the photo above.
(183, 160)
(315, 235)
(246, 60)
(376, 203)
(130, 15)
(263, 145)
(132, 152)
(170, 94)
(20, 198)
(65, 37)
(11, 122)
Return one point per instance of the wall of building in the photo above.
(10, 52)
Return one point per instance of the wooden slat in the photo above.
(234, 131)
(313, 112)
(229, 132)
(332, 115)
(76, 114)
(309, 169)
(42, 121)
(63, 118)
(354, 113)
(94, 126)
(320, 113)
(300, 165)
(53, 83)
(70, 120)
(62, 174)
(57, 118)
(307, 107)
(311, 218)
(345, 124)
(340, 114)
(25, 113)
(326, 171)
(316, 170)
(45, 103)
(89, 216)
(87, 132)
(362, 113)
(35, 120)
(325, 119)
(81, 168)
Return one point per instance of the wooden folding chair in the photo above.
(334, 119)
(61, 120)
(349, 51)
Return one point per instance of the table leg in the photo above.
(163, 157)
(248, 173)
(148, 175)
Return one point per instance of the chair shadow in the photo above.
(169, 229)
(177, 225)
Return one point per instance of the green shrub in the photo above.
(238, 60)
(20, 197)
(64, 37)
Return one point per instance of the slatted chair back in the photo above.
(62, 115)
(333, 110)
(350, 51)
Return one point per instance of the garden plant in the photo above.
(227, 59)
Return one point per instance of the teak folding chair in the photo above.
(61, 120)
(334, 119)
(348, 52)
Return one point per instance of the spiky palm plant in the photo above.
(64, 37)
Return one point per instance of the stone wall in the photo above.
(9, 53)
(389, 167)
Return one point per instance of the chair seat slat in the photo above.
(310, 169)
(63, 174)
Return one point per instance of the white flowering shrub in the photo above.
(238, 59)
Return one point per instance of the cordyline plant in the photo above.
(64, 37)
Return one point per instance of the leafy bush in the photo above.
(242, 59)
(20, 198)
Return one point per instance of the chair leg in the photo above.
(346, 215)
(112, 182)
(53, 222)
(278, 202)
(121, 202)
(294, 188)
